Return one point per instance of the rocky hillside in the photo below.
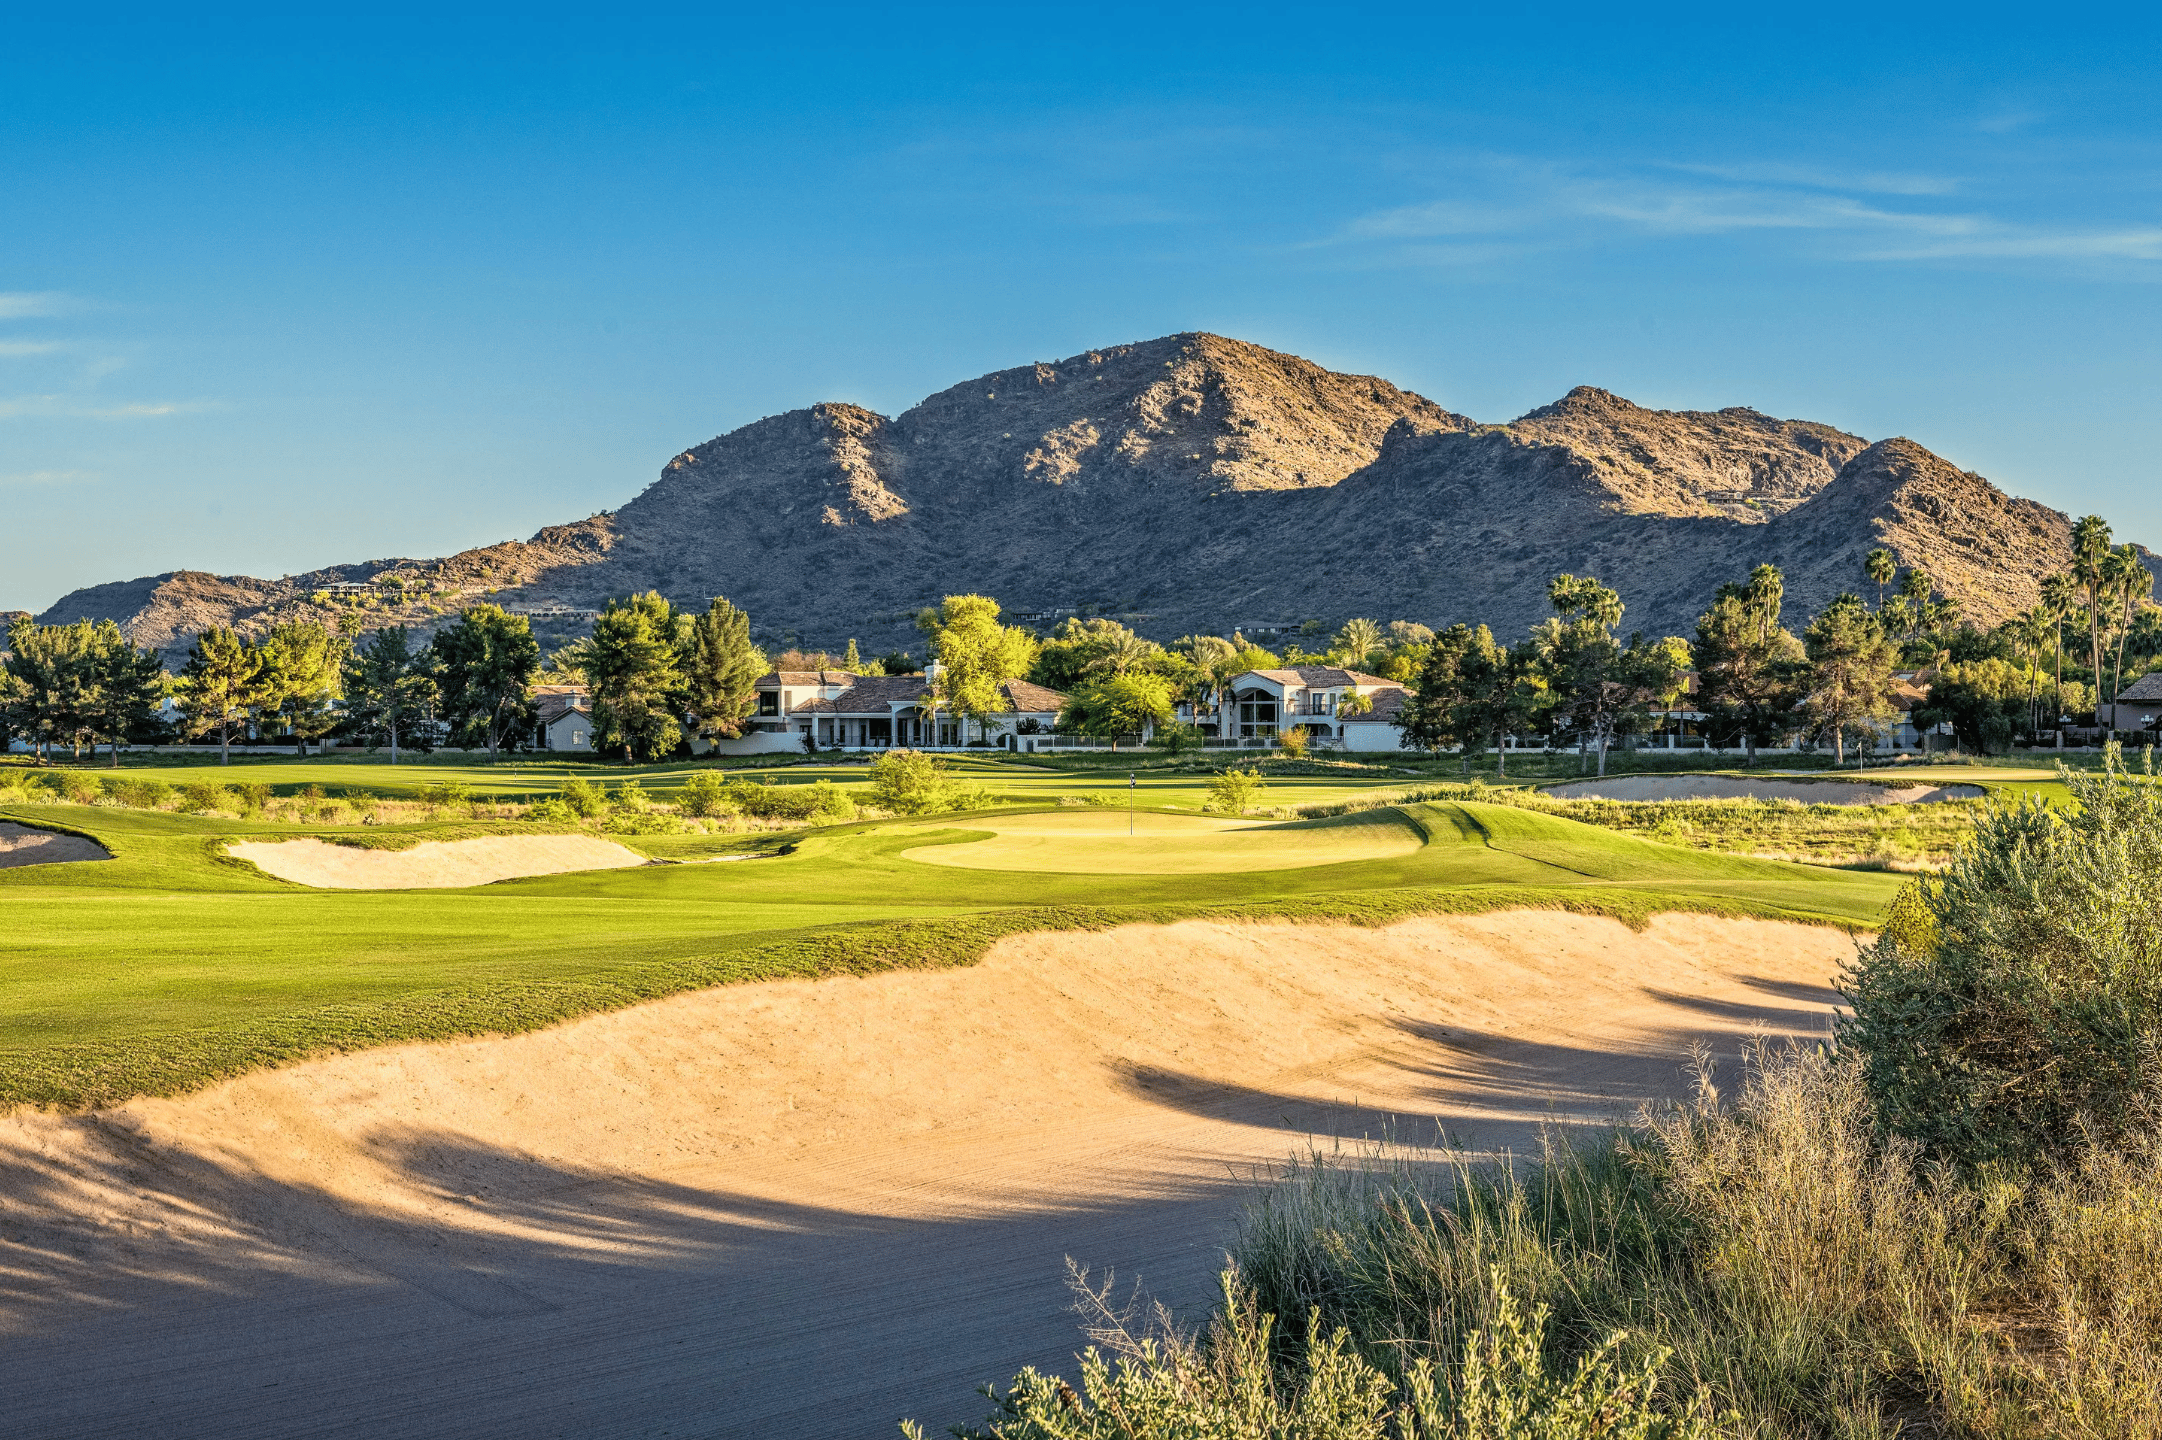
(1198, 483)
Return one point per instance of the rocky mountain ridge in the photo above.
(1198, 483)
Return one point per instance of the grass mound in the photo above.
(1105, 842)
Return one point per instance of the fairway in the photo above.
(1105, 842)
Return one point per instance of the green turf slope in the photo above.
(172, 965)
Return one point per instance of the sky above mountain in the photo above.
(278, 290)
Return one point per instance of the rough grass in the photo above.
(171, 965)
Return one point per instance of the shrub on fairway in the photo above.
(822, 800)
(1293, 743)
(139, 794)
(444, 795)
(551, 811)
(79, 789)
(2024, 1015)
(909, 782)
(252, 796)
(583, 798)
(631, 795)
(642, 822)
(705, 795)
(1233, 792)
(199, 797)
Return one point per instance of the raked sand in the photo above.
(1736, 787)
(434, 865)
(803, 1207)
(21, 845)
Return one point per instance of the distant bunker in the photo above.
(1733, 787)
(21, 845)
(436, 865)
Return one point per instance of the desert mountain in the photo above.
(1197, 483)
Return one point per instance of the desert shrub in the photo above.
(1227, 1382)
(630, 795)
(78, 788)
(362, 803)
(642, 822)
(325, 811)
(444, 795)
(909, 782)
(1233, 792)
(705, 794)
(316, 792)
(199, 797)
(553, 811)
(1294, 742)
(2024, 1012)
(822, 800)
(583, 798)
(139, 794)
(252, 796)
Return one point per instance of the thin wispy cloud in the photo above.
(45, 479)
(10, 349)
(77, 407)
(1864, 216)
(29, 304)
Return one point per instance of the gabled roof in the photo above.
(1387, 704)
(2146, 690)
(879, 694)
(1029, 698)
(555, 707)
(1320, 676)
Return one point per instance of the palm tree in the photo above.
(1914, 590)
(2090, 565)
(1766, 593)
(2132, 581)
(1880, 567)
(2058, 592)
(1357, 640)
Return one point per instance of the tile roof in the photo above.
(1320, 676)
(807, 677)
(2148, 687)
(1032, 699)
(878, 694)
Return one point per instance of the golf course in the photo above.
(656, 1143)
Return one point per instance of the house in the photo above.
(879, 712)
(563, 718)
(1313, 698)
(773, 724)
(2138, 706)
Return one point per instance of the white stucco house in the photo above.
(563, 718)
(774, 725)
(881, 712)
(1264, 704)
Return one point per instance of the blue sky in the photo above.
(281, 290)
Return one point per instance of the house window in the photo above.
(769, 702)
(578, 737)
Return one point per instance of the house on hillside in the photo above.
(563, 718)
(2138, 705)
(1266, 703)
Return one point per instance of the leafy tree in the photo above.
(218, 686)
(636, 682)
(1748, 666)
(1597, 683)
(1081, 649)
(1503, 693)
(385, 680)
(125, 685)
(976, 657)
(1119, 705)
(721, 668)
(909, 782)
(1434, 708)
(1233, 791)
(1850, 671)
(485, 665)
(1979, 700)
(1879, 565)
(1358, 639)
(298, 683)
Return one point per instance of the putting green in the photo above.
(1097, 842)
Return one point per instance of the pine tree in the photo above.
(721, 669)
(219, 686)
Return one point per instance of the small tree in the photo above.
(1880, 567)
(485, 665)
(976, 657)
(1749, 669)
(631, 665)
(299, 681)
(1121, 705)
(1850, 671)
(218, 686)
(383, 682)
(909, 782)
(1233, 792)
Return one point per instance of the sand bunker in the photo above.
(438, 864)
(1733, 787)
(671, 1218)
(21, 845)
(1096, 842)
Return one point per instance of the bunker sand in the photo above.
(21, 845)
(805, 1207)
(1110, 842)
(1734, 787)
(435, 865)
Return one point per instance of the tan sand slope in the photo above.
(1109, 842)
(21, 845)
(1733, 787)
(800, 1208)
(438, 864)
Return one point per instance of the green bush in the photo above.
(139, 794)
(1233, 792)
(631, 795)
(78, 788)
(822, 800)
(705, 794)
(552, 811)
(2025, 1013)
(583, 798)
(198, 797)
(252, 795)
(909, 782)
(444, 795)
(642, 822)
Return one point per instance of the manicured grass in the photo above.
(1110, 842)
(171, 965)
